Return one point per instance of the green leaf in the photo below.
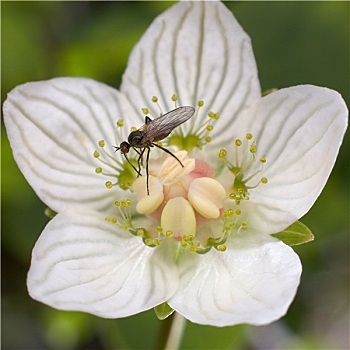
(295, 234)
(163, 311)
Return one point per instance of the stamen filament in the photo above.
(155, 100)
(120, 124)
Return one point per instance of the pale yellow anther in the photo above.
(147, 204)
(179, 218)
(171, 170)
(206, 195)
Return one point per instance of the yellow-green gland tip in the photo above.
(238, 142)
(264, 180)
(140, 232)
(109, 184)
(253, 147)
(222, 153)
(148, 241)
(111, 219)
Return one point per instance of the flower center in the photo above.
(182, 199)
(179, 198)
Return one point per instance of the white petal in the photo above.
(198, 51)
(253, 282)
(81, 262)
(54, 127)
(300, 129)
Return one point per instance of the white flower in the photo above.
(275, 155)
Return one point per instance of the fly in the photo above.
(151, 132)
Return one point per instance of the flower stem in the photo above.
(171, 332)
(176, 332)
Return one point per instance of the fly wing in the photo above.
(159, 128)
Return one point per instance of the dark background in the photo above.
(294, 43)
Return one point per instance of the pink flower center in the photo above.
(182, 199)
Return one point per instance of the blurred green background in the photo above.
(295, 43)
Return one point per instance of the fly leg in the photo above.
(147, 158)
(140, 160)
(137, 170)
(167, 151)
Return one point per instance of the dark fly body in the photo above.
(151, 132)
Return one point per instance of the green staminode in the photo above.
(188, 142)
